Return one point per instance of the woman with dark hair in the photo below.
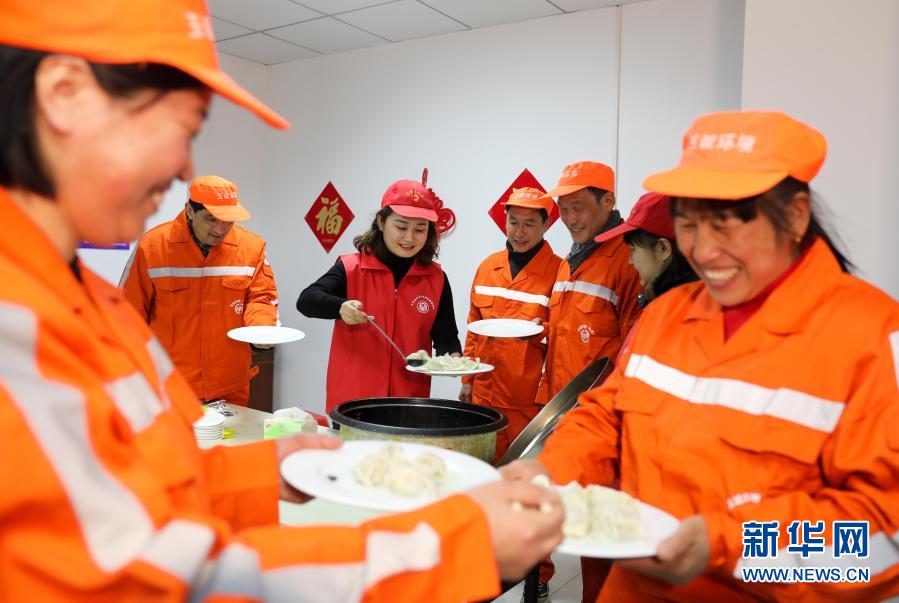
(649, 233)
(394, 280)
(106, 496)
(760, 406)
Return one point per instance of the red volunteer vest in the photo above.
(362, 363)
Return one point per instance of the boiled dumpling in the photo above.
(390, 468)
(601, 514)
(577, 511)
(410, 479)
(432, 463)
(614, 515)
(371, 470)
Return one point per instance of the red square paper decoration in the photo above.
(329, 217)
(525, 179)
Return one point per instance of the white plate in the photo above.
(482, 368)
(266, 335)
(504, 327)
(310, 471)
(210, 419)
(659, 526)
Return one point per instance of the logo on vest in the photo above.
(743, 498)
(586, 332)
(237, 306)
(423, 304)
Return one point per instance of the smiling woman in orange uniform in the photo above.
(767, 392)
(106, 496)
(513, 283)
(394, 279)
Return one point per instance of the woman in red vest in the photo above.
(393, 279)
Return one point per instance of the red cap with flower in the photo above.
(415, 200)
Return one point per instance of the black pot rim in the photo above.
(498, 420)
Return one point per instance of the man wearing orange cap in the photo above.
(199, 276)
(594, 299)
(758, 406)
(513, 283)
(106, 494)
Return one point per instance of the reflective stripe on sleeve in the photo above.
(114, 523)
(386, 554)
(521, 296)
(136, 400)
(201, 272)
(180, 548)
(587, 289)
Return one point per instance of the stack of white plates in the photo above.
(211, 426)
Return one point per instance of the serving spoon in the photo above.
(409, 361)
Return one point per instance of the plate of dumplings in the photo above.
(387, 476)
(610, 524)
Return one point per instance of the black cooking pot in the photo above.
(451, 424)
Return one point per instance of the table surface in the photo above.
(247, 426)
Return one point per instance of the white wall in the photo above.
(835, 65)
(476, 108)
(231, 145)
(679, 59)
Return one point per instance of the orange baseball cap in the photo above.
(740, 154)
(177, 33)
(582, 174)
(219, 196)
(532, 198)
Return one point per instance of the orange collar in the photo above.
(31, 249)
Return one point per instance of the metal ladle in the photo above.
(409, 361)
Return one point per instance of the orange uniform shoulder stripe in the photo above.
(787, 404)
(592, 289)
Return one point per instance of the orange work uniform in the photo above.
(795, 417)
(591, 312)
(518, 364)
(191, 302)
(109, 499)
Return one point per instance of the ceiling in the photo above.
(278, 31)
